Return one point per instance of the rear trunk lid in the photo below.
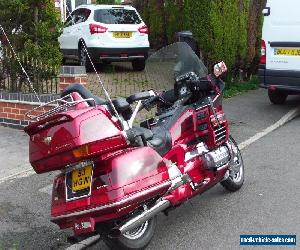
(52, 140)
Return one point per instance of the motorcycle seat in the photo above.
(146, 132)
(157, 138)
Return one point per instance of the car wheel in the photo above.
(138, 64)
(277, 96)
(63, 61)
(83, 59)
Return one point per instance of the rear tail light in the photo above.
(96, 29)
(100, 146)
(144, 30)
(263, 52)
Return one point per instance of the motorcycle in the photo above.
(115, 176)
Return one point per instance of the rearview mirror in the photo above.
(220, 69)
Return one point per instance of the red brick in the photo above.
(61, 79)
(7, 110)
(77, 79)
(3, 104)
(22, 106)
(20, 117)
(23, 111)
(3, 115)
(15, 111)
(69, 79)
(62, 86)
(11, 105)
(11, 116)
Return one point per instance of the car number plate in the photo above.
(122, 34)
(286, 52)
(81, 178)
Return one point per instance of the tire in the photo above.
(63, 61)
(138, 65)
(83, 59)
(236, 178)
(277, 96)
(136, 239)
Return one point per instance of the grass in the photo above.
(236, 88)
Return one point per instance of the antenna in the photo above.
(19, 61)
(98, 77)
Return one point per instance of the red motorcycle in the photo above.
(115, 176)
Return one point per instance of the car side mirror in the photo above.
(219, 69)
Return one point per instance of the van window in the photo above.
(117, 16)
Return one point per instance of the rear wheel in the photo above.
(236, 173)
(83, 59)
(63, 61)
(277, 96)
(138, 64)
(135, 239)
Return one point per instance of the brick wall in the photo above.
(14, 106)
(12, 110)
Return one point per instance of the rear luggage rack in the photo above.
(59, 105)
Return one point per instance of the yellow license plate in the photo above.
(286, 52)
(81, 178)
(122, 34)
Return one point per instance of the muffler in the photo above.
(140, 219)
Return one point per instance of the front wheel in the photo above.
(236, 171)
(83, 59)
(135, 239)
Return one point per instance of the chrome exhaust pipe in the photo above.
(140, 219)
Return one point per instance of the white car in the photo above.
(110, 33)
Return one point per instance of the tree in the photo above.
(33, 27)
(254, 27)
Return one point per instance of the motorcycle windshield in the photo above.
(171, 62)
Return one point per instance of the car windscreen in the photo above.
(117, 16)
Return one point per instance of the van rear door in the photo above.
(281, 33)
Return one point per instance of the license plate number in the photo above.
(122, 34)
(286, 52)
(81, 178)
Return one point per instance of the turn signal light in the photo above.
(100, 146)
(80, 152)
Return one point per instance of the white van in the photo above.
(279, 70)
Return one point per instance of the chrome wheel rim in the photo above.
(238, 174)
(136, 232)
(237, 169)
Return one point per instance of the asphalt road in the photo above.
(267, 203)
